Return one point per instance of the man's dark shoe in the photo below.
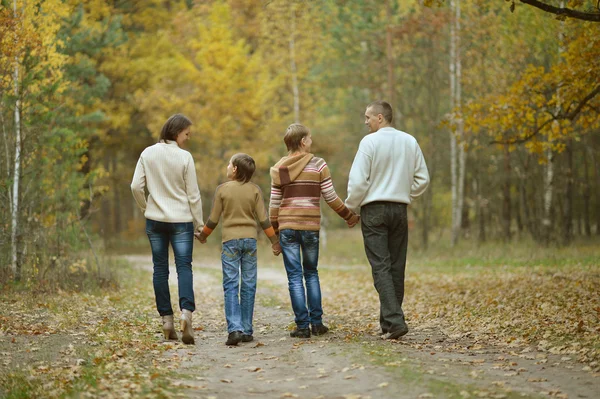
(234, 338)
(300, 333)
(247, 338)
(319, 329)
(398, 332)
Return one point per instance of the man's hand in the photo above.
(200, 237)
(276, 248)
(353, 221)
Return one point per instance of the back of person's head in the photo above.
(383, 108)
(294, 135)
(173, 126)
(245, 167)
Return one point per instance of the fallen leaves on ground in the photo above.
(554, 310)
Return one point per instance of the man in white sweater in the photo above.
(388, 172)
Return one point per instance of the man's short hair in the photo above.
(245, 167)
(294, 135)
(383, 108)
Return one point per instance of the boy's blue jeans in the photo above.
(300, 249)
(181, 238)
(236, 255)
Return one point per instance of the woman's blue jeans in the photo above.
(236, 255)
(181, 238)
(300, 249)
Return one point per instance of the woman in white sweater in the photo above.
(173, 211)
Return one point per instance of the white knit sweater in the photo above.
(169, 174)
(389, 166)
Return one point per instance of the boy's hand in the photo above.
(276, 248)
(353, 221)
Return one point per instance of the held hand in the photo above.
(200, 237)
(353, 221)
(276, 249)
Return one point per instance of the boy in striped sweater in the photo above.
(298, 181)
(241, 203)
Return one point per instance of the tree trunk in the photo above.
(479, 208)
(457, 151)
(293, 67)
(548, 191)
(506, 211)
(390, 56)
(568, 215)
(596, 189)
(118, 226)
(587, 194)
(425, 219)
(15, 264)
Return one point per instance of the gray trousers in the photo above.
(385, 233)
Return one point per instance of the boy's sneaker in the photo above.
(300, 333)
(319, 329)
(234, 338)
(247, 338)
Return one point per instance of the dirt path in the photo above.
(424, 364)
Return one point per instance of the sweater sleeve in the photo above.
(274, 204)
(421, 178)
(215, 213)
(193, 193)
(359, 180)
(263, 218)
(329, 194)
(138, 184)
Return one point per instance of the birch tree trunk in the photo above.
(549, 175)
(16, 269)
(293, 67)
(457, 151)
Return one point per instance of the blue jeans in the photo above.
(239, 310)
(300, 250)
(181, 237)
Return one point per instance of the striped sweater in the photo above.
(297, 184)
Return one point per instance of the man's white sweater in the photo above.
(170, 176)
(389, 166)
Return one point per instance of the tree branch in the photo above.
(526, 138)
(568, 116)
(564, 12)
(571, 115)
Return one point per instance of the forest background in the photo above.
(502, 97)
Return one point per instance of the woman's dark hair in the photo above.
(245, 167)
(173, 126)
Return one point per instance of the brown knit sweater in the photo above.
(240, 204)
(297, 184)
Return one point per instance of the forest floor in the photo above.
(484, 324)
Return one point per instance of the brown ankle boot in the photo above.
(169, 327)
(186, 327)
